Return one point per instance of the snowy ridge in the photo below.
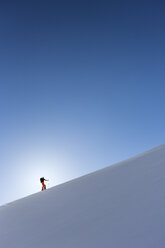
(120, 206)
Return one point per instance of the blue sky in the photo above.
(81, 87)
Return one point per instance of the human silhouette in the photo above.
(42, 180)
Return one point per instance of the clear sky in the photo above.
(81, 87)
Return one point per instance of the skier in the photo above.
(42, 179)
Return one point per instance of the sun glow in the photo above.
(33, 165)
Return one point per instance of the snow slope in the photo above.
(122, 206)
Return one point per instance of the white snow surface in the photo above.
(121, 206)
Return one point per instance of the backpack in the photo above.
(42, 179)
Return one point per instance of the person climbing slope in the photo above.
(42, 179)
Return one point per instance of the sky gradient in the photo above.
(81, 87)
